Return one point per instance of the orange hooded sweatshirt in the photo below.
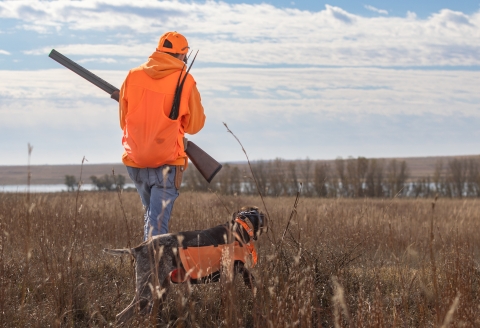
(150, 137)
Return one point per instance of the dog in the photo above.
(196, 256)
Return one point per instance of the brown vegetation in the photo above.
(345, 178)
(342, 262)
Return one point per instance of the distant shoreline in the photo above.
(55, 174)
(49, 188)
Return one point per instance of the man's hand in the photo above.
(115, 95)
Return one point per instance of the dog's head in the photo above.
(254, 218)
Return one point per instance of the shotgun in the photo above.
(205, 164)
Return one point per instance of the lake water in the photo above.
(48, 188)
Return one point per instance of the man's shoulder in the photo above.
(134, 74)
(136, 70)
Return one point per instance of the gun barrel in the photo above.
(86, 74)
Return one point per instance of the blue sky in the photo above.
(291, 79)
(422, 8)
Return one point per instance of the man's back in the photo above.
(150, 138)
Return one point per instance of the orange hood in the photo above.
(160, 64)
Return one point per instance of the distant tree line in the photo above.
(106, 182)
(459, 178)
(346, 178)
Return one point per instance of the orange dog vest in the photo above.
(202, 261)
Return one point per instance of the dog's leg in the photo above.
(165, 266)
(157, 306)
(141, 303)
(129, 311)
(126, 314)
(248, 278)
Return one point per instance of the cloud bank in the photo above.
(239, 93)
(290, 83)
(234, 34)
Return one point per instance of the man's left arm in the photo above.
(122, 104)
(195, 120)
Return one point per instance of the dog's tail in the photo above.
(118, 252)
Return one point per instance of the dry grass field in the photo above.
(342, 263)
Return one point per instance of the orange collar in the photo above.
(245, 226)
(250, 246)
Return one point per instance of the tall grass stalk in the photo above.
(29, 207)
(270, 221)
(127, 226)
(433, 264)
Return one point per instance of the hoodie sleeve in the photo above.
(123, 104)
(195, 120)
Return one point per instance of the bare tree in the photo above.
(103, 183)
(397, 175)
(320, 180)
(421, 187)
(374, 178)
(351, 178)
(292, 177)
(341, 181)
(457, 176)
(222, 182)
(356, 172)
(260, 171)
(277, 178)
(71, 182)
(235, 181)
(437, 177)
(362, 169)
(305, 169)
(473, 178)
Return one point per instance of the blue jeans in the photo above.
(157, 191)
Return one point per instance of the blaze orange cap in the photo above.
(173, 42)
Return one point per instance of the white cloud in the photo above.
(48, 97)
(98, 60)
(352, 111)
(234, 34)
(122, 50)
(344, 90)
(4, 52)
(379, 11)
(411, 15)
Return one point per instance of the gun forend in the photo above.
(86, 74)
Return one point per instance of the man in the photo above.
(154, 146)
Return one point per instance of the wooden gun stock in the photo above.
(206, 165)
